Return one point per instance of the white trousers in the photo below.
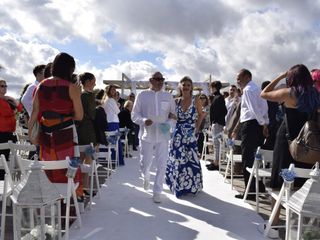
(160, 152)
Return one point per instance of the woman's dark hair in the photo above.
(100, 94)
(300, 80)
(217, 85)
(299, 77)
(48, 70)
(264, 84)
(24, 89)
(86, 76)
(63, 66)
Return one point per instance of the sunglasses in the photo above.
(158, 79)
(3, 86)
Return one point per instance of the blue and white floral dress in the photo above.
(183, 173)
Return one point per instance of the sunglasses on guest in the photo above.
(3, 86)
(159, 79)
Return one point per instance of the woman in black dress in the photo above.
(299, 99)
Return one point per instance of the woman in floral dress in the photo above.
(183, 173)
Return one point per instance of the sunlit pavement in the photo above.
(126, 211)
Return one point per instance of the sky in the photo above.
(197, 38)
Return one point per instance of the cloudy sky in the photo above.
(178, 37)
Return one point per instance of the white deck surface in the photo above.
(126, 211)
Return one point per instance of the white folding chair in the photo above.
(113, 140)
(261, 169)
(104, 161)
(6, 187)
(223, 150)
(67, 190)
(232, 158)
(92, 171)
(22, 150)
(207, 144)
(124, 132)
(283, 196)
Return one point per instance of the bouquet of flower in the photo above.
(288, 175)
(73, 167)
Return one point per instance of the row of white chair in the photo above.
(19, 162)
(261, 170)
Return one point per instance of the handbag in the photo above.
(305, 147)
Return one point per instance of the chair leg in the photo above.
(91, 182)
(257, 188)
(4, 209)
(227, 169)
(76, 205)
(67, 222)
(231, 173)
(203, 151)
(97, 180)
(274, 211)
(248, 185)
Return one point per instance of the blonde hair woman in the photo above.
(183, 173)
(112, 110)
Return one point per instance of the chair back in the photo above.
(19, 149)
(83, 148)
(4, 146)
(4, 166)
(25, 164)
(300, 172)
(267, 155)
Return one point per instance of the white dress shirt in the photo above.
(253, 106)
(112, 110)
(27, 98)
(155, 106)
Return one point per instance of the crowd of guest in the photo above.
(70, 112)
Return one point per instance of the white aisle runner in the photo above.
(126, 211)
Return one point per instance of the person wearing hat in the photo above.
(151, 111)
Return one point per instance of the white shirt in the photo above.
(27, 98)
(155, 106)
(112, 110)
(253, 106)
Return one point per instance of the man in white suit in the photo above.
(151, 111)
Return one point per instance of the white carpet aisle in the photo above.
(126, 211)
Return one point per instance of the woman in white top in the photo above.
(112, 110)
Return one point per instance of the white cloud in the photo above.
(18, 58)
(194, 38)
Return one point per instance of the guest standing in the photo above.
(204, 125)
(299, 100)
(254, 124)
(218, 111)
(183, 174)
(56, 105)
(85, 127)
(111, 107)
(9, 106)
(27, 98)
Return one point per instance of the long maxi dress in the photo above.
(58, 136)
(183, 173)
